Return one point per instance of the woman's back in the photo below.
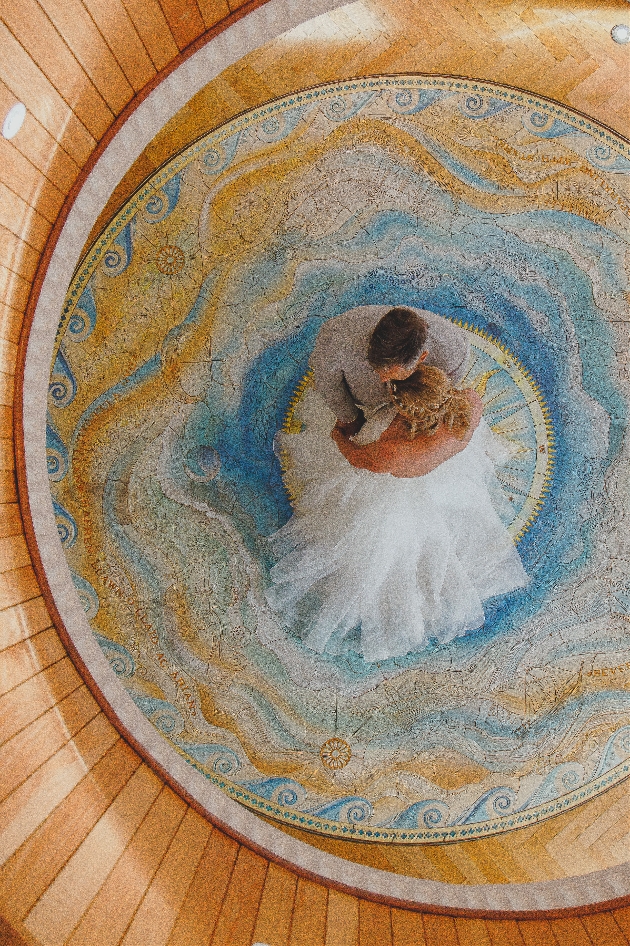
(397, 453)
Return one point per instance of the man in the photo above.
(358, 352)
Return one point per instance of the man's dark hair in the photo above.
(398, 339)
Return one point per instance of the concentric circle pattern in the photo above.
(183, 348)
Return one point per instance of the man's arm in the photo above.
(349, 430)
(329, 378)
(457, 374)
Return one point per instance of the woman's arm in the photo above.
(403, 457)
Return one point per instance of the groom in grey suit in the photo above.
(358, 352)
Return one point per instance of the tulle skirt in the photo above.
(398, 561)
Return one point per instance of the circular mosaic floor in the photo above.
(179, 355)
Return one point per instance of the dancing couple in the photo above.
(396, 537)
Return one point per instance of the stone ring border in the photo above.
(603, 888)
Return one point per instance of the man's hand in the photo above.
(348, 430)
(366, 457)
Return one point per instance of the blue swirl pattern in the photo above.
(56, 453)
(119, 255)
(120, 660)
(66, 526)
(164, 201)
(63, 386)
(83, 320)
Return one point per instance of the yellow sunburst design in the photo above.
(511, 428)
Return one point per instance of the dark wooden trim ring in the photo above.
(428, 908)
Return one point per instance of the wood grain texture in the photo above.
(200, 910)
(120, 34)
(184, 19)
(505, 933)
(375, 924)
(213, 11)
(78, 30)
(440, 931)
(35, 696)
(537, 933)
(28, 82)
(342, 919)
(604, 930)
(622, 919)
(472, 931)
(31, 870)
(275, 910)
(60, 908)
(34, 31)
(28, 807)
(39, 148)
(38, 741)
(308, 924)
(153, 29)
(163, 899)
(571, 929)
(92, 845)
(126, 888)
(237, 914)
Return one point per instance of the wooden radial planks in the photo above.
(93, 846)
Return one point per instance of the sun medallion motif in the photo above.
(170, 260)
(335, 753)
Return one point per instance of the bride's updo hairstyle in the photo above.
(427, 399)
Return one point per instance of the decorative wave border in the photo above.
(308, 821)
(147, 190)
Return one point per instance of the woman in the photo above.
(399, 540)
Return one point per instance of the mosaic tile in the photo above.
(181, 375)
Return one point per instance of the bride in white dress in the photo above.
(401, 538)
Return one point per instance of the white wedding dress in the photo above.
(403, 559)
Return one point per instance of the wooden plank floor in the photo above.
(94, 849)
(562, 50)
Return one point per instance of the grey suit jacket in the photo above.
(344, 377)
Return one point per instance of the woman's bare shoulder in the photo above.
(477, 407)
(397, 430)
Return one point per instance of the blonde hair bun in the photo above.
(428, 400)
